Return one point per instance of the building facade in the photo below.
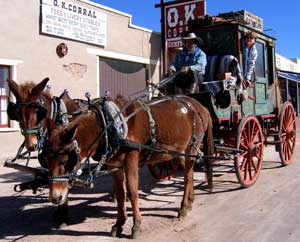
(289, 79)
(80, 45)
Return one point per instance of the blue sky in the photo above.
(280, 17)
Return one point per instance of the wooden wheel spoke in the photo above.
(255, 165)
(245, 137)
(249, 130)
(250, 169)
(245, 168)
(290, 147)
(243, 146)
(243, 154)
(255, 135)
(243, 163)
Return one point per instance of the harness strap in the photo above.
(151, 121)
(134, 145)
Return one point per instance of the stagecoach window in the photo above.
(4, 95)
(260, 62)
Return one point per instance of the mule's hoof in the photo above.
(189, 206)
(135, 233)
(182, 213)
(116, 231)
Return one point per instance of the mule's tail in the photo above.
(209, 151)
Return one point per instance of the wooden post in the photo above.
(287, 89)
(163, 39)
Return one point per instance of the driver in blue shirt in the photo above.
(190, 63)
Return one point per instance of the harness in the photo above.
(114, 135)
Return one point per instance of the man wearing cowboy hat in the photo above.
(190, 63)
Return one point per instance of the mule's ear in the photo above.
(14, 88)
(69, 134)
(39, 87)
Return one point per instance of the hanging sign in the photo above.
(73, 21)
(177, 16)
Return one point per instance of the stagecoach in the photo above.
(241, 128)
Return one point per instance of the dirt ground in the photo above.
(267, 212)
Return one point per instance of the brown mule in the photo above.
(33, 105)
(181, 123)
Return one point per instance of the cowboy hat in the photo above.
(191, 36)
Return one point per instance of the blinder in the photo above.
(42, 113)
(13, 111)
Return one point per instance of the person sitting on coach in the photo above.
(190, 63)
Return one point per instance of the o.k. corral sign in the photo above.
(177, 16)
(73, 21)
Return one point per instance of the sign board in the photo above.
(177, 16)
(73, 21)
(250, 19)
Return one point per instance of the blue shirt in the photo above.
(249, 59)
(195, 60)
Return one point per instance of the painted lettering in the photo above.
(172, 17)
(189, 12)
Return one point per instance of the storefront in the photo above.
(80, 45)
(289, 87)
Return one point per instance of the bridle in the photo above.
(41, 113)
(71, 148)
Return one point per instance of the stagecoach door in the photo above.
(261, 78)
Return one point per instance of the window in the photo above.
(4, 95)
(260, 62)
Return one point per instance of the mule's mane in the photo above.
(121, 101)
(25, 90)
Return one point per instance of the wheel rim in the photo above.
(163, 171)
(250, 140)
(287, 134)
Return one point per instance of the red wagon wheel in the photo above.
(287, 134)
(249, 138)
(164, 170)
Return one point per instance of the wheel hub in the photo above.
(252, 150)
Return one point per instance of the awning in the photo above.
(289, 75)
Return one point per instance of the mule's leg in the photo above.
(209, 174)
(61, 215)
(188, 182)
(119, 190)
(131, 170)
(191, 196)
